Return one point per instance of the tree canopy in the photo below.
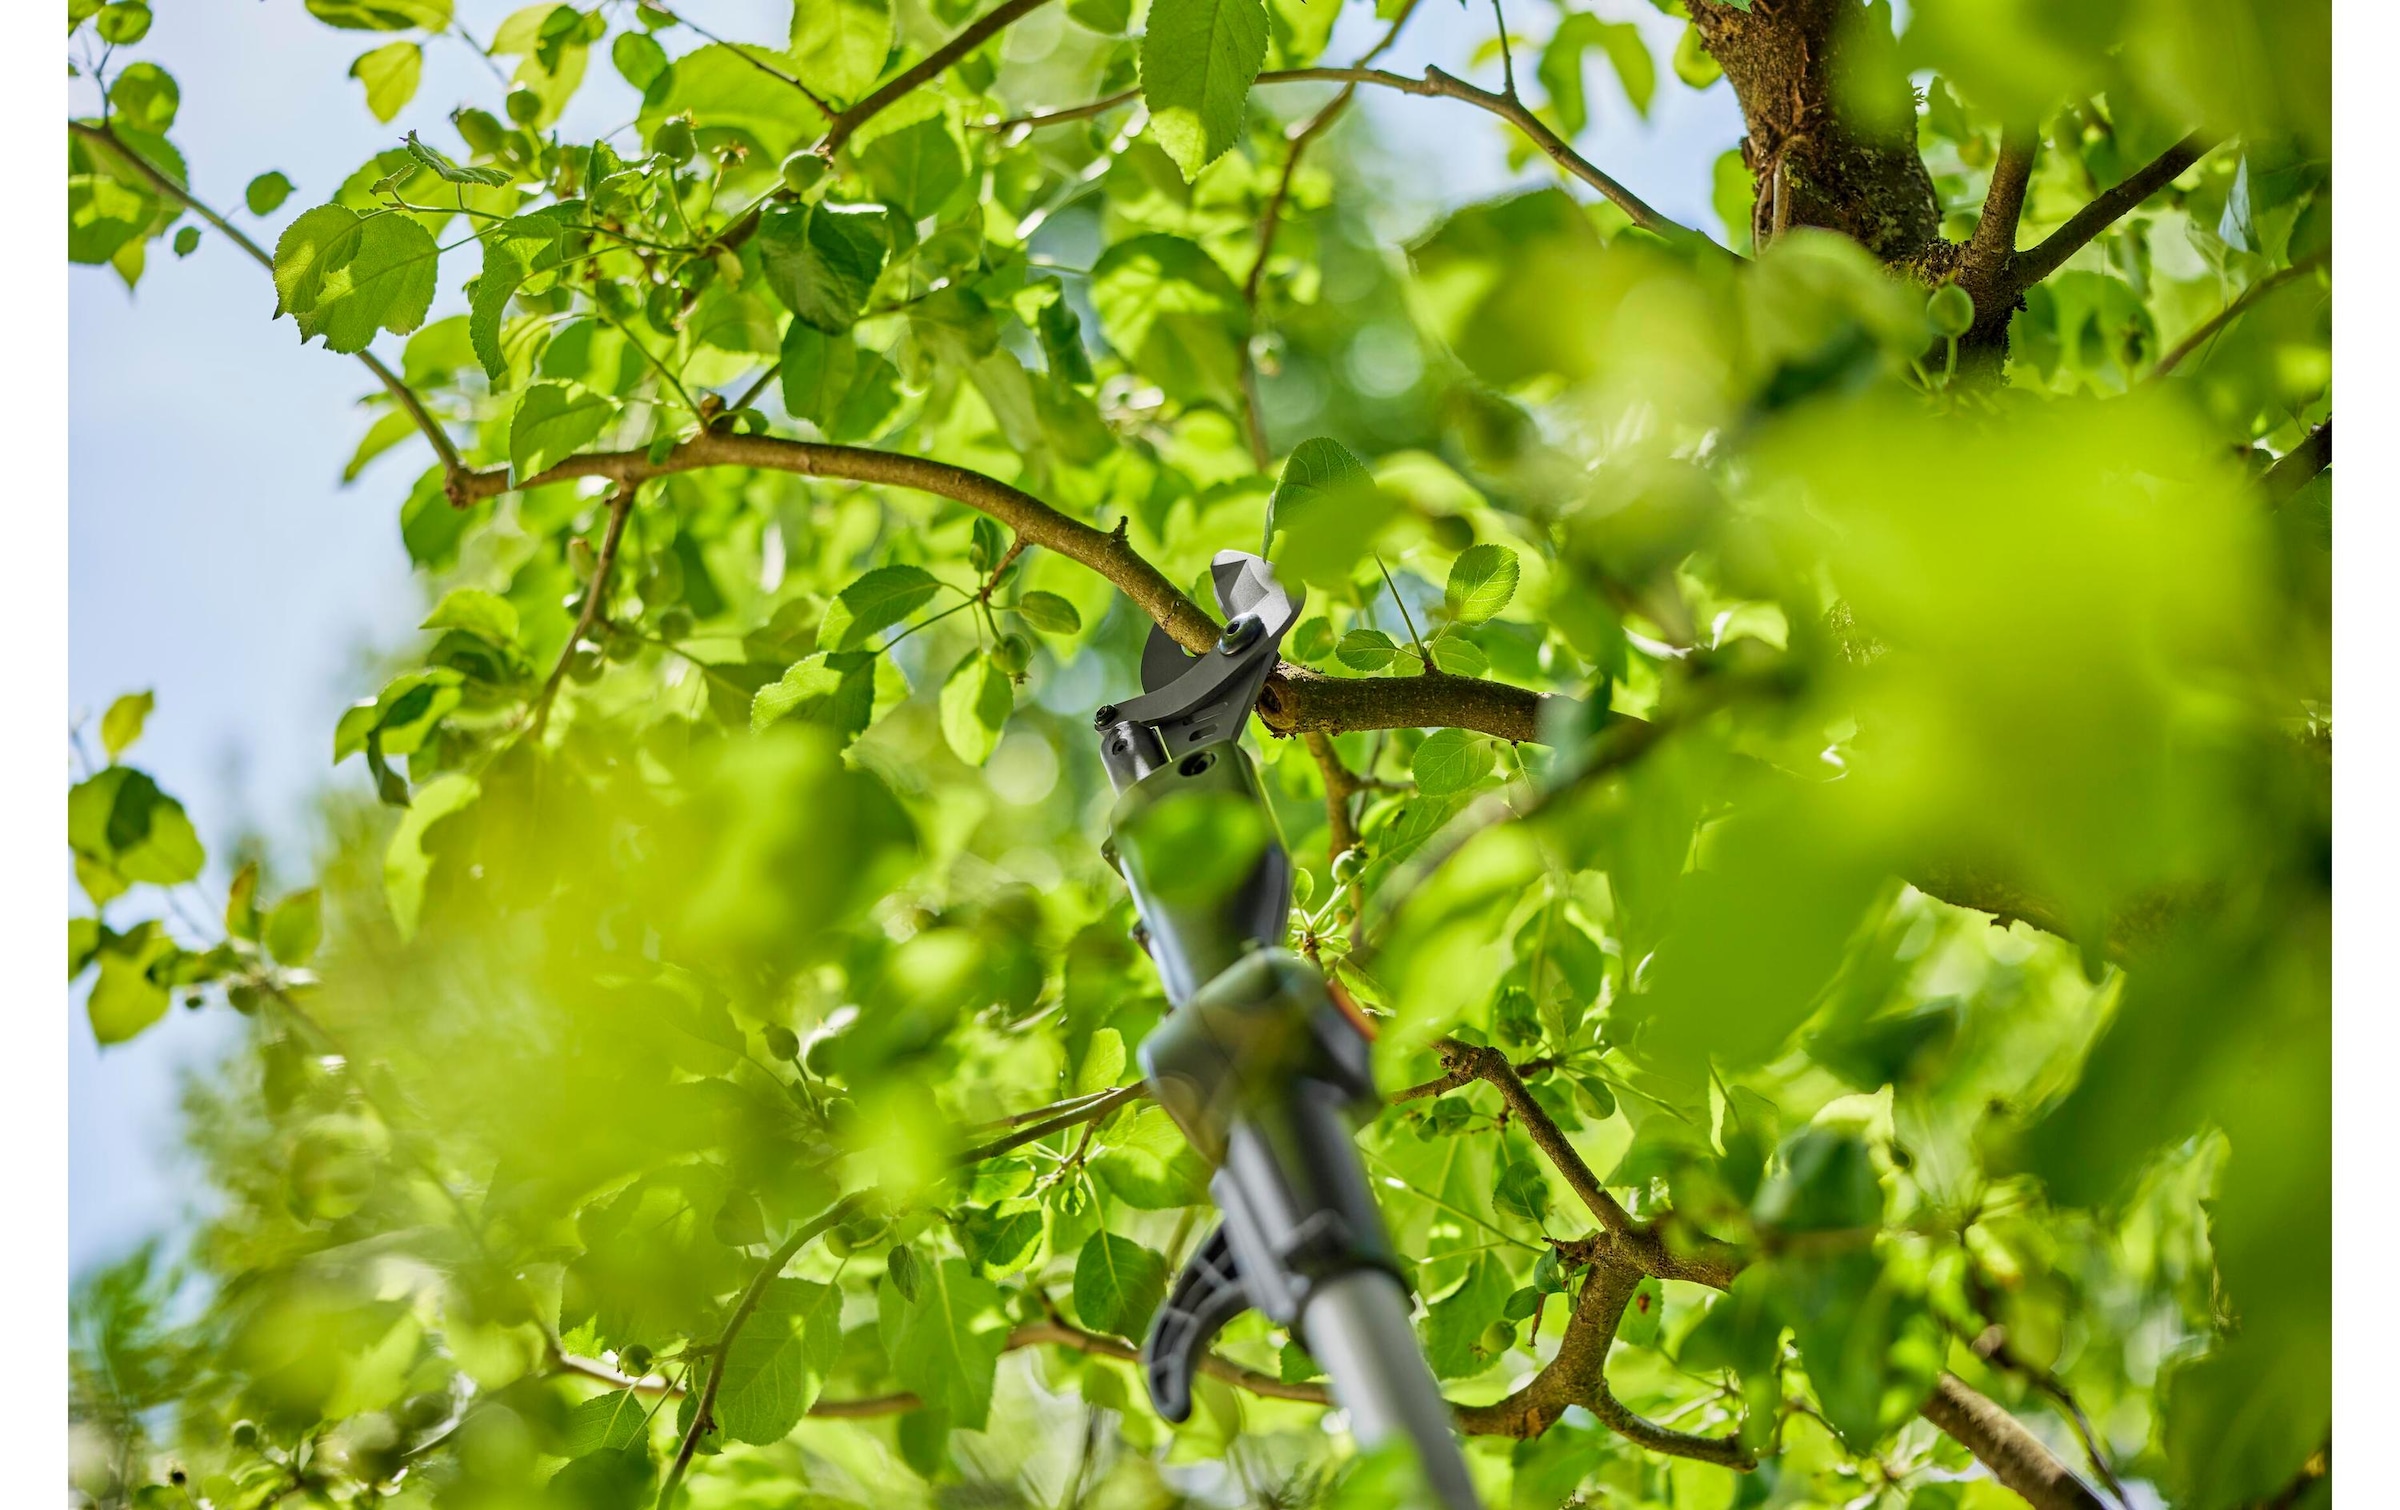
(1812, 745)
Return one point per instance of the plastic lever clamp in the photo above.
(1208, 1294)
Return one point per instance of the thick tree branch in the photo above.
(401, 393)
(1297, 700)
(1994, 244)
(801, 1237)
(2032, 266)
(2001, 1443)
(2234, 310)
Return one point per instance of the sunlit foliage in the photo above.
(1908, 894)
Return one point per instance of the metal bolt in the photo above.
(1104, 716)
(1240, 634)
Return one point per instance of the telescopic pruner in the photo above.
(1266, 1076)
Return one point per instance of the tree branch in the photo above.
(1297, 700)
(1994, 243)
(2234, 311)
(1058, 1333)
(401, 393)
(931, 66)
(2001, 1443)
(1089, 1110)
(1638, 1245)
(1578, 1375)
(807, 1232)
(2031, 267)
(2295, 468)
(620, 507)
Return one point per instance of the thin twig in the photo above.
(807, 1232)
(1099, 1106)
(400, 391)
(620, 505)
(2236, 309)
(932, 65)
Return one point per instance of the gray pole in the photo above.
(1357, 1326)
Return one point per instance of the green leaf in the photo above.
(1048, 612)
(266, 193)
(128, 996)
(780, 1361)
(1523, 1192)
(1103, 1063)
(1324, 513)
(639, 60)
(406, 864)
(391, 428)
(451, 172)
(1482, 580)
(822, 260)
(976, 701)
(1826, 1182)
(1459, 656)
(1198, 60)
(390, 75)
(1365, 650)
(343, 276)
(1693, 63)
(875, 602)
(476, 611)
(916, 168)
(83, 942)
(145, 95)
(1450, 760)
(840, 45)
(1175, 314)
(382, 15)
(553, 421)
(1151, 1166)
(241, 903)
(487, 304)
(122, 724)
(1561, 67)
(1640, 1326)
(945, 1345)
(294, 927)
(1003, 1238)
(1456, 1323)
(1061, 332)
(618, 1419)
(1118, 1284)
(906, 1272)
(121, 820)
(613, 1478)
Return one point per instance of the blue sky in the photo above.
(215, 556)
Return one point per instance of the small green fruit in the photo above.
(673, 141)
(1013, 654)
(782, 1042)
(677, 624)
(524, 106)
(244, 1434)
(1348, 864)
(1499, 1337)
(663, 305)
(803, 171)
(585, 665)
(634, 1360)
(1951, 310)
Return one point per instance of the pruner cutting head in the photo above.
(1192, 700)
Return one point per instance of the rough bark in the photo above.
(1832, 126)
